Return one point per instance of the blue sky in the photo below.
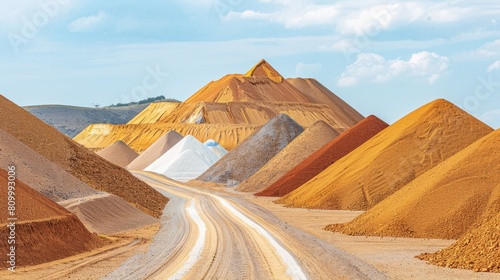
(384, 59)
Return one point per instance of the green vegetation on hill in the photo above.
(145, 101)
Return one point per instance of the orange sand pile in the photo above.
(155, 151)
(478, 250)
(119, 153)
(228, 110)
(309, 141)
(326, 156)
(44, 231)
(78, 161)
(444, 202)
(391, 159)
(242, 162)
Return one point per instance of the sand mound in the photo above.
(243, 161)
(228, 110)
(155, 112)
(326, 156)
(44, 230)
(58, 185)
(444, 202)
(309, 141)
(156, 150)
(107, 214)
(119, 153)
(78, 161)
(479, 250)
(185, 161)
(390, 160)
(46, 177)
(215, 148)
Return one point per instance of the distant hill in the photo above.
(72, 120)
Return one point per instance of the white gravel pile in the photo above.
(185, 161)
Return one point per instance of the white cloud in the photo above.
(303, 69)
(363, 16)
(495, 66)
(370, 67)
(492, 118)
(490, 50)
(89, 23)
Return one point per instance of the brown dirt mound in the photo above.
(78, 161)
(58, 185)
(390, 160)
(119, 153)
(309, 141)
(242, 162)
(326, 156)
(444, 202)
(44, 230)
(33, 169)
(156, 150)
(478, 250)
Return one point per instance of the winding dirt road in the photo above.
(207, 236)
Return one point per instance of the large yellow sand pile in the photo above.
(391, 159)
(444, 202)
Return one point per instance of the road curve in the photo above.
(207, 236)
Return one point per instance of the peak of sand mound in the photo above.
(479, 250)
(390, 160)
(58, 185)
(185, 161)
(119, 153)
(156, 150)
(309, 141)
(264, 69)
(326, 156)
(44, 230)
(253, 153)
(78, 161)
(215, 147)
(444, 202)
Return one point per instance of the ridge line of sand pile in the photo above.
(243, 161)
(78, 161)
(391, 159)
(45, 231)
(445, 202)
(155, 150)
(118, 153)
(308, 142)
(325, 156)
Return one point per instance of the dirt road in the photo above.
(207, 236)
